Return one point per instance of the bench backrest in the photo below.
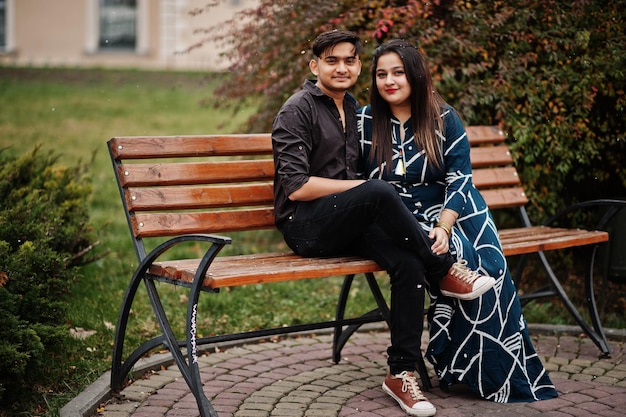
(173, 185)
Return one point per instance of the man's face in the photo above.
(337, 69)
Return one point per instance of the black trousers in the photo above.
(372, 221)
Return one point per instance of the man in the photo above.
(323, 208)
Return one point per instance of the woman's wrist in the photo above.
(445, 226)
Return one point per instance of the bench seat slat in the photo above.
(149, 147)
(498, 198)
(482, 156)
(495, 177)
(263, 268)
(173, 224)
(478, 135)
(190, 173)
(188, 198)
(522, 240)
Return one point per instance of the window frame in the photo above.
(120, 25)
(92, 35)
(9, 27)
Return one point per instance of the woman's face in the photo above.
(391, 80)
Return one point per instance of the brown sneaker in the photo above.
(463, 283)
(404, 389)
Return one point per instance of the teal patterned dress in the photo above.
(483, 343)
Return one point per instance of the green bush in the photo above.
(44, 238)
(551, 73)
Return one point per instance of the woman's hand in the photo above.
(442, 232)
(442, 241)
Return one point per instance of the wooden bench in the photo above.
(194, 188)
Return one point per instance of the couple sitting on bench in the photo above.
(417, 215)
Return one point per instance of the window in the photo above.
(3, 25)
(118, 24)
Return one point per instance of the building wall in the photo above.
(36, 38)
(65, 33)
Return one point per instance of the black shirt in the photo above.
(308, 140)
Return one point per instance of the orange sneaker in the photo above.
(404, 389)
(463, 283)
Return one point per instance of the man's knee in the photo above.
(380, 188)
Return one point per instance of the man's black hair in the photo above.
(331, 38)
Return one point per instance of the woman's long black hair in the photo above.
(426, 106)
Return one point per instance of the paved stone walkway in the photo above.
(295, 377)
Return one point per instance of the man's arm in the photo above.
(293, 147)
(317, 187)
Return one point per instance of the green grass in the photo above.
(72, 113)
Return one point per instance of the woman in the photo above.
(413, 139)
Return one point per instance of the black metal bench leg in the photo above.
(120, 369)
(195, 381)
(598, 339)
(339, 339)
(189, 373)
(517, 277)
(378, 296)
(117, 375)
(341, 335)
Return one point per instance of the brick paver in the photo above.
(295, 377)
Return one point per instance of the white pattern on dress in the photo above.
(466, 336)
